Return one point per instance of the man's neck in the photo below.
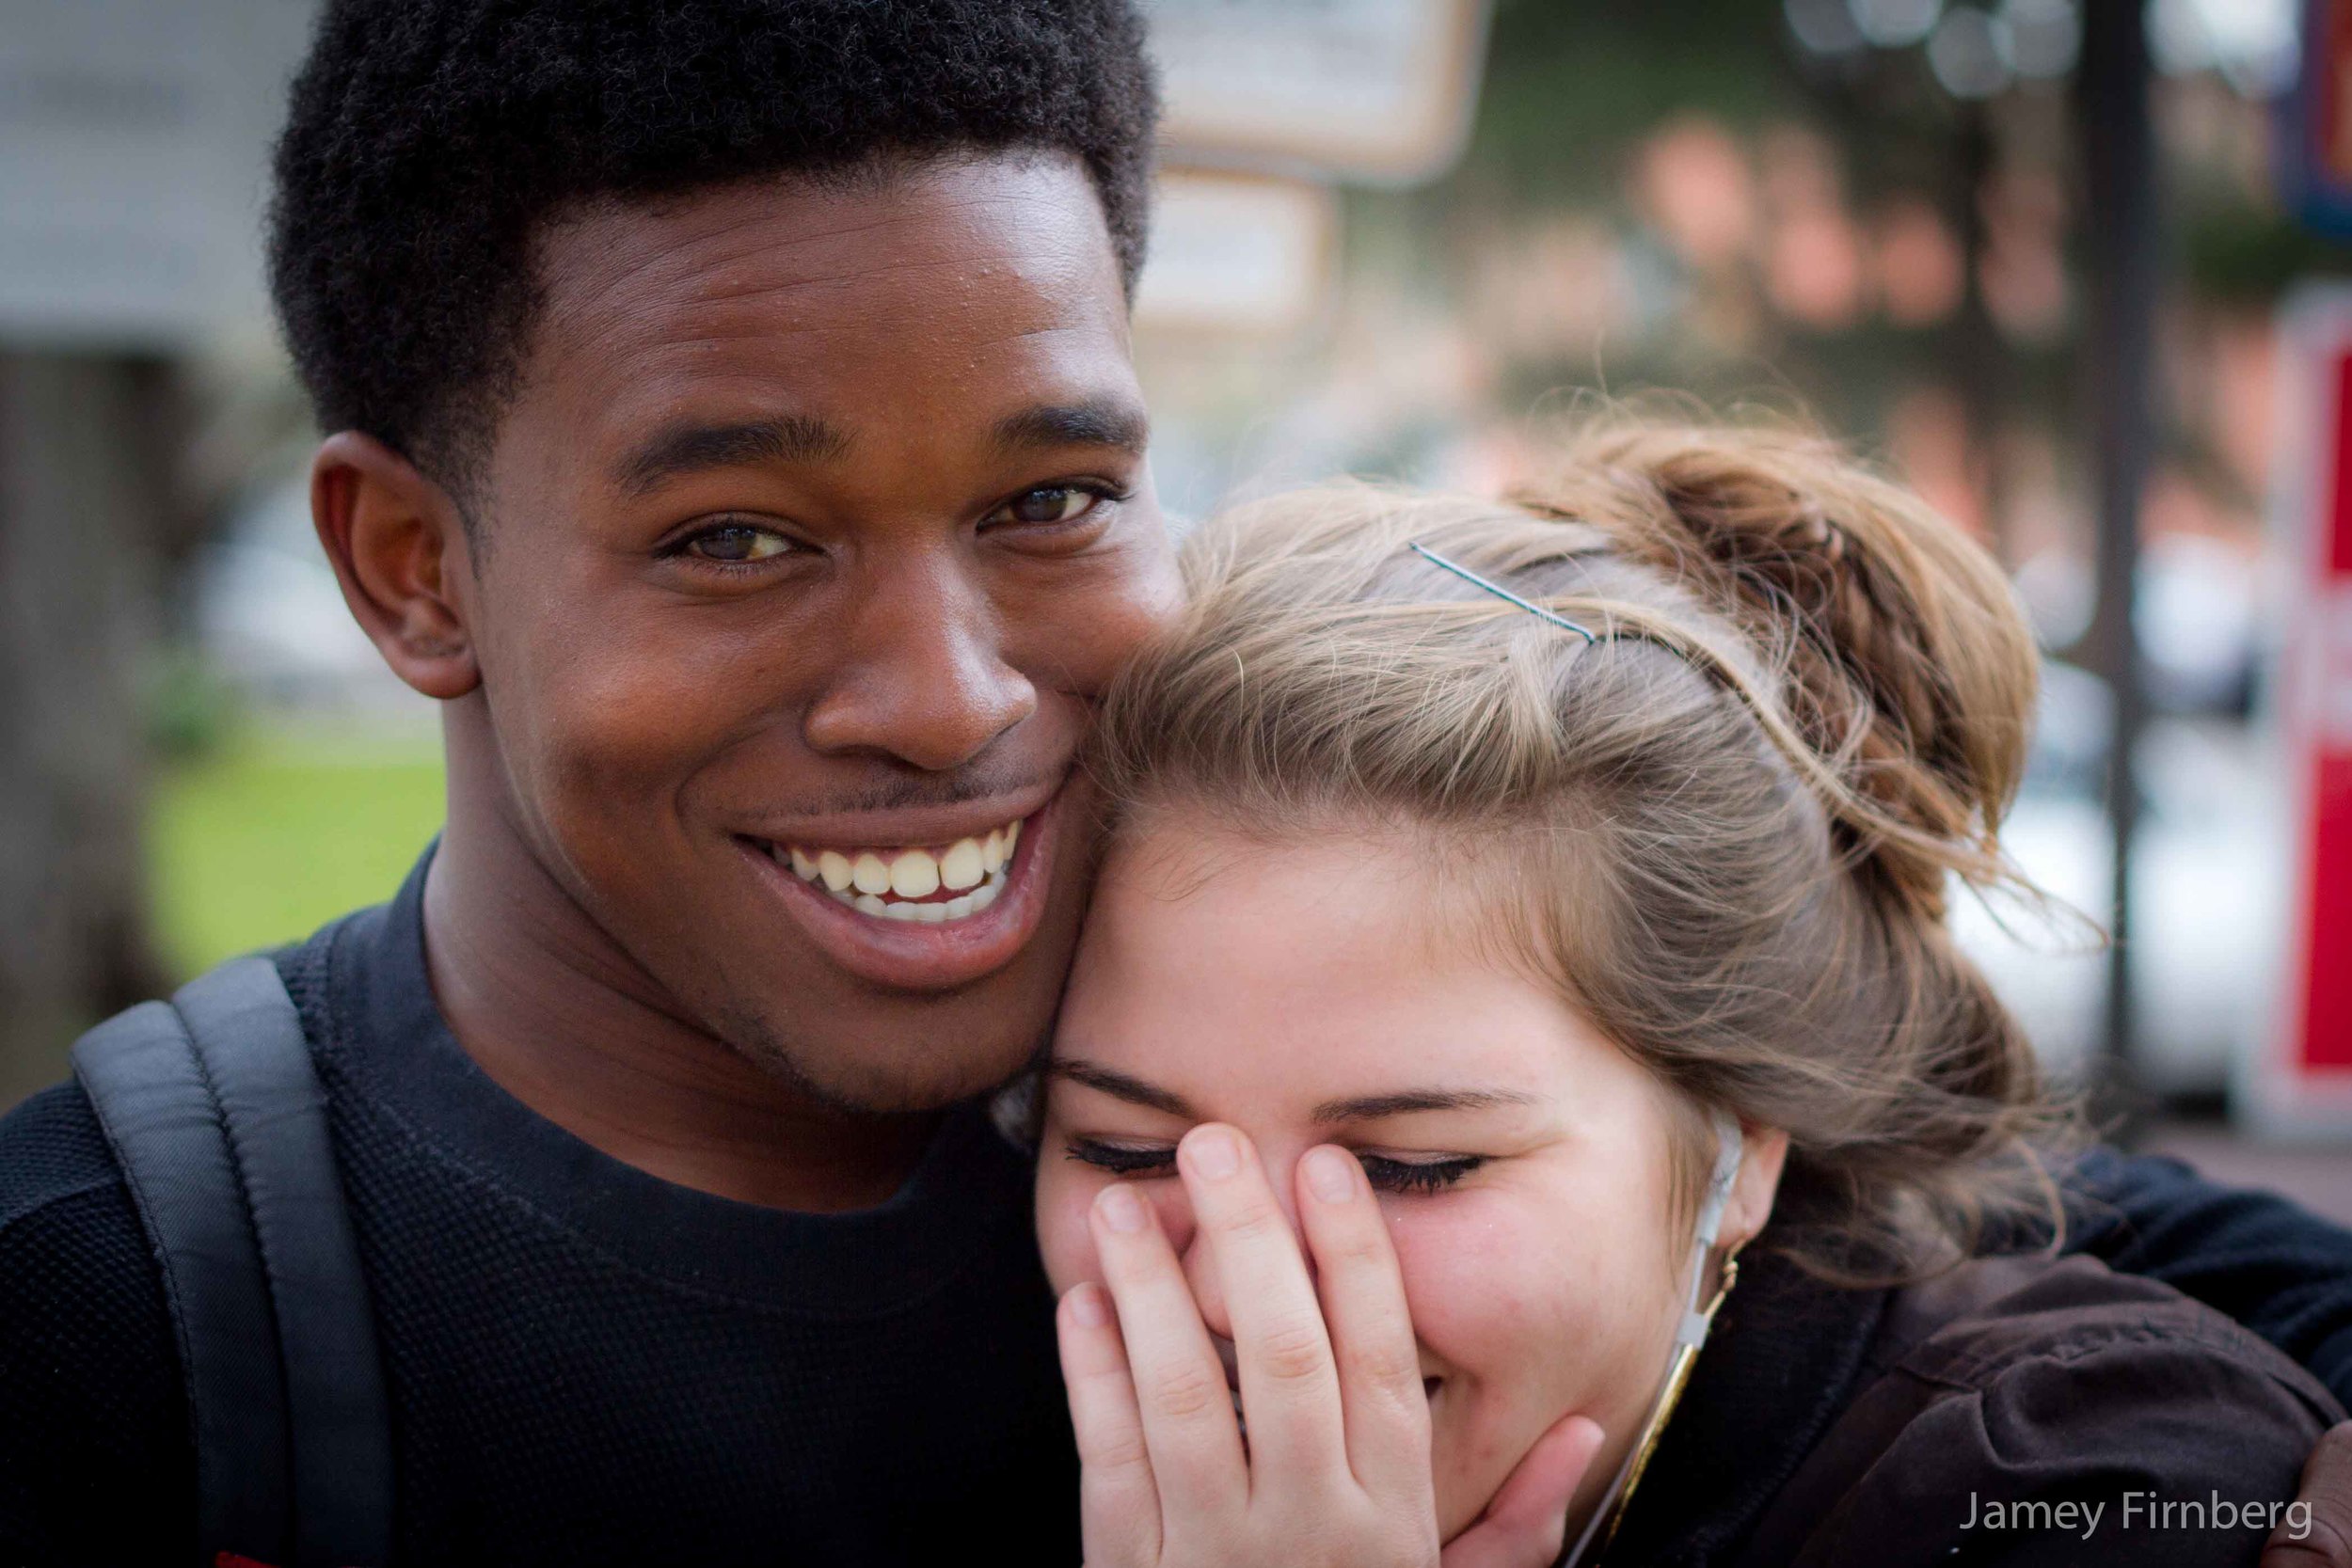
(550, 1007)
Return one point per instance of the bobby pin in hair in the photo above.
(1502, 593)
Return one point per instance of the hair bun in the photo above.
(1906, 662)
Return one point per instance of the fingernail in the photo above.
(1330, 1175)
(1122, 1209)
(1089, 1306)
(1215, 1155)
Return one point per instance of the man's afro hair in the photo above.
(428, 141)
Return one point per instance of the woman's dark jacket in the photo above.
(1946, 1423)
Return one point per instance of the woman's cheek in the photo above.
(1481, 1279)
(1063, 1198)
(1482, 1282)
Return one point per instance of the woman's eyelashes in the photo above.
(1124, 1159)
(1417, 1175)
(1386, 1173)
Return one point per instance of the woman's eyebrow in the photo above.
(1119, 1086)
(1372, 1107)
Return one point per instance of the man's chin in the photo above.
(882, 1081)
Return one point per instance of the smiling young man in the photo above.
(735, 432)
(734, 428)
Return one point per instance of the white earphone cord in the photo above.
(1692, 1334)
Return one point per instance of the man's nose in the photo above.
(920, 673)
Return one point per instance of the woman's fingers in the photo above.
(1526, 1526)
(1119, 1505)
(1387, 1410)
(1181, 1394)
(1289, 1389)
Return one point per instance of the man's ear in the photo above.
(398, 543)
(1756, 1185)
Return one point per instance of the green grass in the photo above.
(266, 838)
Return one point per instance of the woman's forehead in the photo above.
(1306, 971)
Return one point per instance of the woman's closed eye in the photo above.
(1123, 1159)
(1387, 1173)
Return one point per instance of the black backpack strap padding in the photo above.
(214, 1110)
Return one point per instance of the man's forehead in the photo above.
(943, 292)
(999, 246)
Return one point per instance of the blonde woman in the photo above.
(1543, 904)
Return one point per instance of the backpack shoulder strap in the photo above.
(214, 1112)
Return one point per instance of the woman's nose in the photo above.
(1208, 1290)
(1198, 1252)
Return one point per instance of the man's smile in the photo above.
(928, 884)
(917, 900)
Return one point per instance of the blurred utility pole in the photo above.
(1984, 367)
(2122, 249)
(85, 510)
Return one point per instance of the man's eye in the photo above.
(1123, 1159)
(1417, 1175)
(1048, 504)
(733, 543)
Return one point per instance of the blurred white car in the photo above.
(270, 620)
(2208, 890)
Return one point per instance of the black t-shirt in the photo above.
(586, 1364)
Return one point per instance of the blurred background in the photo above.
(2063, 264)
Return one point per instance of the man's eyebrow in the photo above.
(689, 447)
(1096, 422)
(1372, 1107)
(1119, 1086)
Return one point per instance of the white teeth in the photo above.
(914, 875)
(936, 912)
(964, 865)
(901, 886)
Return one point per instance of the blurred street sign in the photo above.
(1366, 91)
(2314, 143)
(1238, 253)
(135, 142)
(2299, 1079)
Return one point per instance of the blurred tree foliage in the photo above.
(1571, 88)
(2239, 250)
(1570, 94)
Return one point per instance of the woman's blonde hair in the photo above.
(1726, 826)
